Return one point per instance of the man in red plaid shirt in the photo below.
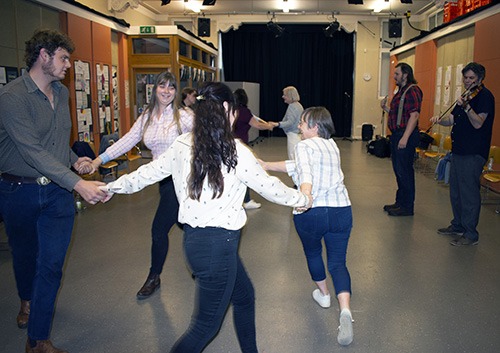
(403, 123)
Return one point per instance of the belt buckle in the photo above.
(43, 180)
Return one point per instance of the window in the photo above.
(151, 45)
(183, 48)
(195, 53)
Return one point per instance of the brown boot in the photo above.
(24, 314)
(152, 283)
(42, 347)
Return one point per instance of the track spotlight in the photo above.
(208, 2)
(331, 28)
(275, 28)
(165, 2)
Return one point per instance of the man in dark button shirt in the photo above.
(36, 182)
(472, 120)
(403, 123)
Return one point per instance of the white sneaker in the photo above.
(346, 333)
(322, 300)
(251, 205)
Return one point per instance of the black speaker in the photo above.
(395, 28)
(203, 27)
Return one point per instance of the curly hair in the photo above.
(214, 146)
(49, 40)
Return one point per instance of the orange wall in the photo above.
(488, 54)
(425, 73)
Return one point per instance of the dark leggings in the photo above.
(165, 218)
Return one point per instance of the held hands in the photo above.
(306, 207)
(96, 163)
(84, 166)
(91, 191)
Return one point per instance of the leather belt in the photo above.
(27, 180)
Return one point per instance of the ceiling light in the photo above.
(165, 2)
(275, 28)
(331, 28)
(208, 2)
(195, 6)
(286, 6)
(379, 5)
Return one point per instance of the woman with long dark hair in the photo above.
(211, 172)
(160, 124)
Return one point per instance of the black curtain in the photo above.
(321, 68)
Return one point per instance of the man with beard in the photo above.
(472, 120)
(36, 182)
(403, 123)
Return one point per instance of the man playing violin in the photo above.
(472, 121)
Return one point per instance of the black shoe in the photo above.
(463, 241)
(399, 212)
(387, 208)
(449, 231)
(152, 283)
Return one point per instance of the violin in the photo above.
(466, 96)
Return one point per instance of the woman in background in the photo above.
(159, 125)
(290, 121)
(211, 171)
(241, 126)
(316, 170)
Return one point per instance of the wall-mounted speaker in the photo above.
(395, 28)
(203, 27)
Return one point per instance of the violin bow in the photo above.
(466, 93)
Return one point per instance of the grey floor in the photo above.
(412, 291)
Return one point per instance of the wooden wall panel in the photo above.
(101, 43)
(425, 73)
(488, 54)
(79, 30)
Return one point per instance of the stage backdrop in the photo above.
(321, 68)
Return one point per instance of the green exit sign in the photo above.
(147, 29)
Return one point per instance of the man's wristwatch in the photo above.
(467, 108)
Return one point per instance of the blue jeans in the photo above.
(39, 222)
(465, 193)
(333, 224)
(402, 163)
(165, 218)
(212, 254)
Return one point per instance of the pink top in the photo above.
(160, 134)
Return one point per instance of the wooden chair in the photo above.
(111, 166)
(437, 155)
(490, 179)
(135, 154)
(436, 141)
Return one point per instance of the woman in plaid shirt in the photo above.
(161, 123)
